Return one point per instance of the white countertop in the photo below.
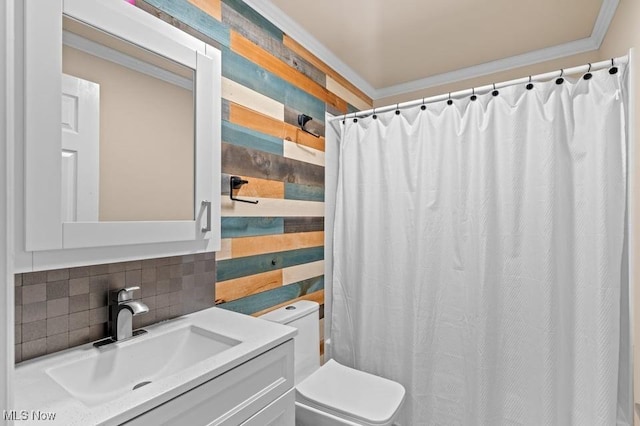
(36, 392)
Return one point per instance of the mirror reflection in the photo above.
(127, 131)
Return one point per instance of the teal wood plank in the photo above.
(250, 265)
(242, 136)
(261, 301)
(233, 227)
(294, 191)
(254, 17)
(253, 76)
(195, 18)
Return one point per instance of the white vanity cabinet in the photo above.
(259, 392)
(86, 196)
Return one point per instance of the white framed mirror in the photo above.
(122, 129)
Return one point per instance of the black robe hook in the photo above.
(303, 119)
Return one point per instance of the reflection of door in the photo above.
(80, 149)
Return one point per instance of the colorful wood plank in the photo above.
(317, 296)
(265, 40)
(251, 75)
(303, 153)
(294, 191)
(346, 94)
(303, 224)
(255, 18)
(265, 124)
(235, 268)
(261, 301)
(234, 227)
(300, 50)
(251, 99)
(271, 207)
(266, 60)
(229, 290)
(251, 246)
(225, 249)
(302, 272)
(195, 17)
(243, 161)
(243, 136)
(211, 7)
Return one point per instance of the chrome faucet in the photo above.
(122, 309)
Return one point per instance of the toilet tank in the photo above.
(302, 315)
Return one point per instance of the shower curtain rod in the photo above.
(476, 90)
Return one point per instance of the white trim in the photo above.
(103, 52)
(274, 14)
(7, 120)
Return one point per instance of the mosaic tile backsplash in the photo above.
(62, 308)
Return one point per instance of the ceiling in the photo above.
(397, 45)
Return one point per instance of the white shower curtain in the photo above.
(479, 254)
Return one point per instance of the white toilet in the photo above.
(333, 394)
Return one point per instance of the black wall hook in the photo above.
(303, 119)
(235, 183)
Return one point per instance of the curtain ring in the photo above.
(495, 91)
(355, 119)
(530, 85)
(423, 106)
(560, 80)
(374, 114)
(473, 94)
(449, 102)
(398, 109)
(613, 70)
(588, 75)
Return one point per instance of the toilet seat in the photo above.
(357, 396)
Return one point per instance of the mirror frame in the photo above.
(44, 229)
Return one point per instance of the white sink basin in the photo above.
(115, 369)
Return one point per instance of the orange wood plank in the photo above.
(317, 296)
(249, 246)
(261, 188)
(304, 53)
(245, 286)
(212, 7)
(258, 55)
(265, 124)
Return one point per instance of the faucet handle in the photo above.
(124, 294)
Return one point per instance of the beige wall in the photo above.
(623, 34)
(146, 141)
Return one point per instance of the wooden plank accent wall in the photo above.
(272, 252)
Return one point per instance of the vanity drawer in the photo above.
(281, 412)
(231, 398)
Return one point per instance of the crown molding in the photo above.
(302, 36)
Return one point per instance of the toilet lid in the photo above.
(345, 391)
